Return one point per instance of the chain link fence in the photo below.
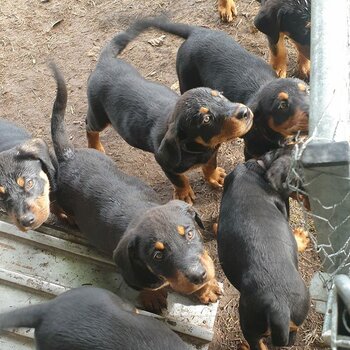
(321, 165)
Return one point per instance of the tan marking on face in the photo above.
(2, 189)
(262, 345)
(40, 206)
(301, 87)
(231, 128)
(297, 122)
(181, 230)
(159, 246)
(283, 96)
(203, 110)
(214, 93)
(180, 282)
(20, 182)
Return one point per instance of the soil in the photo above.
(72, 33)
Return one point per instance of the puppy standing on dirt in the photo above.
(277, 18)
(27, 176)
(182, 132)
(153, 245)
(212, 58)
(89, 318)
(258, 254)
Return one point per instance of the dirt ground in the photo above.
(73, 32)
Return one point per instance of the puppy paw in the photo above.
(185, 194)
(227, 10)
(154, 300)
(243, 346)
(210, 292)
(216, 178)
(281, 71)
(301, 236)
(304, 70)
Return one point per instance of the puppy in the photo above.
(277, 18)
(258, 254)
(183, 132)
(153, 245)
(213, 59)
(89, 318)
(27, 176)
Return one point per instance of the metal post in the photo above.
(325, 157)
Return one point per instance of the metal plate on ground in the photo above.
(37, 265)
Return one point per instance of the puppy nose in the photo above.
(243, 113)
(197, 277)
(27, 220)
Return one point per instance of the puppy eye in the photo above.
(189, 235)
(206, 119)
(158, 255)
(283, 104)
(29, 184)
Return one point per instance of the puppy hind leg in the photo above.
(93, 128)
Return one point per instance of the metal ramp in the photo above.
(37, 265)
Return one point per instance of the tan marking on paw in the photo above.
(215, 177)
(210, 292)
(227, 10)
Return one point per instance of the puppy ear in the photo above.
(268, 21)
(134, 271)
(195, 216)
(169, 151)
(37, 149)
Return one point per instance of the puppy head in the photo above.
(292, 18)
(282, 105)
(202, 119)
(24, 183)
(165, 247)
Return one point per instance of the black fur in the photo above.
(123, 217)
(89, 318)
(214, 59)
(258, 254)
(153, 118)
(28, 161)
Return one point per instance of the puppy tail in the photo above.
(161, 22)
(63, 148)
(30, 317)
(279, 319)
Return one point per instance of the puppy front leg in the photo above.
(227, 9)
(212, 173)
(278, 56)
(209, 293)
(182, 187)
(154, 300)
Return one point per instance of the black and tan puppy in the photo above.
(89, 318)
(258, 253)
(213, 59)
(182, 132)
(153, 245)
(27, 176)
(280, 18)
